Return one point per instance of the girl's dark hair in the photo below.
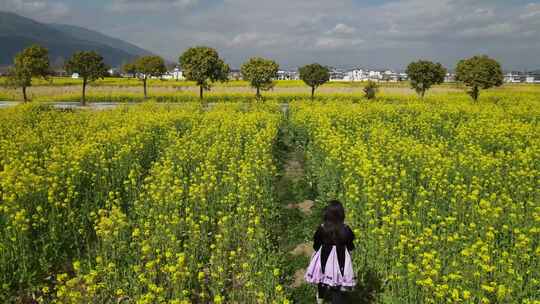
(334, 218)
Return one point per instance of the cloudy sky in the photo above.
(367, 33)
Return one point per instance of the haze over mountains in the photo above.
(17, 32)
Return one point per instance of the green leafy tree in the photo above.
(130, 68)
(149, 66)
(204, 66)
(479, 72)
(370, 89)
(90, 66)
(314, 75)
(31, 62)
(423, 74)
(260, 73)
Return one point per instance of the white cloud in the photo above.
(340, 36)
(256, 40)
(388, 33)
(345, 31)
(244, 40)
(40, 9)
(126, 6)
(532, 10)
(342, 29)
(337, 43)
(489, 31)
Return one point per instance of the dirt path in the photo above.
(300, 215)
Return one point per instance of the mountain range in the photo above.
(17, 33)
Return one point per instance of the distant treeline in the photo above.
(203, 67)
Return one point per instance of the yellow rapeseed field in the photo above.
(177, 204)
(443, 196)
(151, 204)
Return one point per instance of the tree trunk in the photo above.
(201, 92)
(422, 94)
(83, 100)
(24, 94)
(144, 84)
(258, 95)
(475, 93)
(312, 93)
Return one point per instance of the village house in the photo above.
(114, 72)
(450, 77)
(175, 74)
(533, 78)
(391, 76)
(375, 75)
(513, 77)
(287, 75)
(365, 75)
(337, 75)
(356, 75)
(235, 74)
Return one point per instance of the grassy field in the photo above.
(130, 90)
(113, 81)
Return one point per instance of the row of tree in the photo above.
(33, 62)
(204, 66)
(478, 72)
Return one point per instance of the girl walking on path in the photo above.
(331, 266)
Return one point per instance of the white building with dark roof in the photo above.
(513, 77)
(337, 75)
(287, 75)
(356, 75)
(175, 74)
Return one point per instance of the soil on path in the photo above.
(300, 215)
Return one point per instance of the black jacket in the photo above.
(321, 238)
